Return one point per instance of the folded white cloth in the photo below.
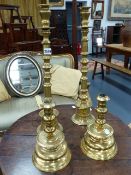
(65, 81)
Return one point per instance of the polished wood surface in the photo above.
(109, 65)
(19, 141)
(118, 49)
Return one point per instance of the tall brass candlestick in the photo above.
(98, 142)
(51, 151)
(83, 103)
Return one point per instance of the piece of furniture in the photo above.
(31, 32)
(97, 9)
(118, 49)
(59, 36)
(16, 107)
(126, 34)
(19, 141)
(60, 46)
(97, 12)
(98, 44)
(18, 38)
(24, 19)
(97, 25)
(109, 65)
(114, 34)
(4, 38)
(12, 9)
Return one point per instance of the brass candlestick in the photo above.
(98, 142)
(51, 151)
(83, 103)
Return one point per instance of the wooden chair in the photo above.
(98, 41)
(11, 9)
(4, 48)
(3, 38)
(60, 46)
(18, 40)
(59, 34)
(32, 32)
(17, 36)
(24, 19)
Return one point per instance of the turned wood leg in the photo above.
(96, 51)
(126, 61)
(102, 71)
(109, 55)
(94, 71)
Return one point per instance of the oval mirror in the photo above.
(23, 75)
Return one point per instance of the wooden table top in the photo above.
(18, 144)
(119, 47)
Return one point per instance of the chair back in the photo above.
(17, 32)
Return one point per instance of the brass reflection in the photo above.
(51, 151)
(82, 115)
(98, 142)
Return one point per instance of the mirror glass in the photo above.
(23, 75)
(97, 10)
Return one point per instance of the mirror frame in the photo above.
(97, 1)
(8, 80)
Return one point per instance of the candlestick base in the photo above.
(83, 120)
(98, 142)
(51, 154)
(99, 145)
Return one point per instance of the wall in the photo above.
(104, 22)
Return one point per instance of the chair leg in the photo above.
(96, 51)
(92, 50)
(102, 71)
(94, 71)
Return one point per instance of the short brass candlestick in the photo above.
(83, 103)
(98, 142)
(51, 151)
